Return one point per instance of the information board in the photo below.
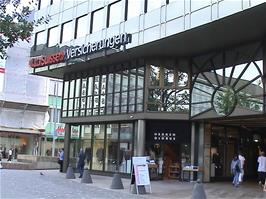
(140, 173)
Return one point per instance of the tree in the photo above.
(16, 23)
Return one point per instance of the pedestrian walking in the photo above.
(81, 162)
(10, 155)
(235, 170)
(61, 159)
(262, 168)
(242, 163)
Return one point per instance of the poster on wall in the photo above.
(74, 132)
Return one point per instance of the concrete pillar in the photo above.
(197, 147)
(140, 135)
(66, 147)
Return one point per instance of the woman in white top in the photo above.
(262, 168)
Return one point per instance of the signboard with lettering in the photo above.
(140, 173)
(73, 52)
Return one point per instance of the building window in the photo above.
(134, 8)
(66, 32)
(168, 90)
(81, 26)
(44, 3)
(115, 13)
(152, 5)
(97, 20)
(53, 36)
(40, 40)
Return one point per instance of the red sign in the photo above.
(2, 70)
(46, 60)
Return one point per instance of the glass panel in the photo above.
(53, 38)
(182, 79)
(65, 104)
(154, 75)
(40, 40)
(132, 97)
(117, 99)
(117, 82)
(98, 147)
(82, 26)
(66, 84)
(198, 108)
(168, 77)
(125, 149)
(71, 89)
(89, 102)
(116, 13)
(110, 83)
(77, 93)
(135, 8)
(90, 86)
(96, 102)
(140, 82)
(98, 20)
(103, 84)
(96, 85)
(86, 133)
(67, 32)
(112, 144)
(70, 104)
(124, 98)
(132, 82)
(139, 96)
(124, 83)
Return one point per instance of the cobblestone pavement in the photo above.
(29, 184)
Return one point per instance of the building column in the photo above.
(140, 135)
(66, 147)
(197, 147)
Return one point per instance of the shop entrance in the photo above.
(168, 147)
(229, 140)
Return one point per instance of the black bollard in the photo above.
(86, 177)
(70, 173)
(117, 182)
(198, 191)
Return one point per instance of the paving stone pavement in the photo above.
(29, 184)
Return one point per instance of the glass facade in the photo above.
(234, 90)
(115, 93)
(108, 147)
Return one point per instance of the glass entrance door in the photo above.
(223, 147)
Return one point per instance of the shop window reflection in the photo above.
(98, 147)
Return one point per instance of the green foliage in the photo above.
(15, 23)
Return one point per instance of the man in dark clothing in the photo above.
(81, 162)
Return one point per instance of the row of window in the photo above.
(116, 12)
(115, 93)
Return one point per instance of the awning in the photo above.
(237, 29)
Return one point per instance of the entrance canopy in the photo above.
(235, 30)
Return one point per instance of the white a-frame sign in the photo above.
(140, 173)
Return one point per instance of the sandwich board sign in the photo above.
(140, 173)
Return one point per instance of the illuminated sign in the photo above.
(86, 49)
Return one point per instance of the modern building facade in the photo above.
(184, 79)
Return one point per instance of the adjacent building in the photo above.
(182, 81)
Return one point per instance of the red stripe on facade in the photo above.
(2, 70)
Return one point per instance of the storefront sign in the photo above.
(86, 49)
